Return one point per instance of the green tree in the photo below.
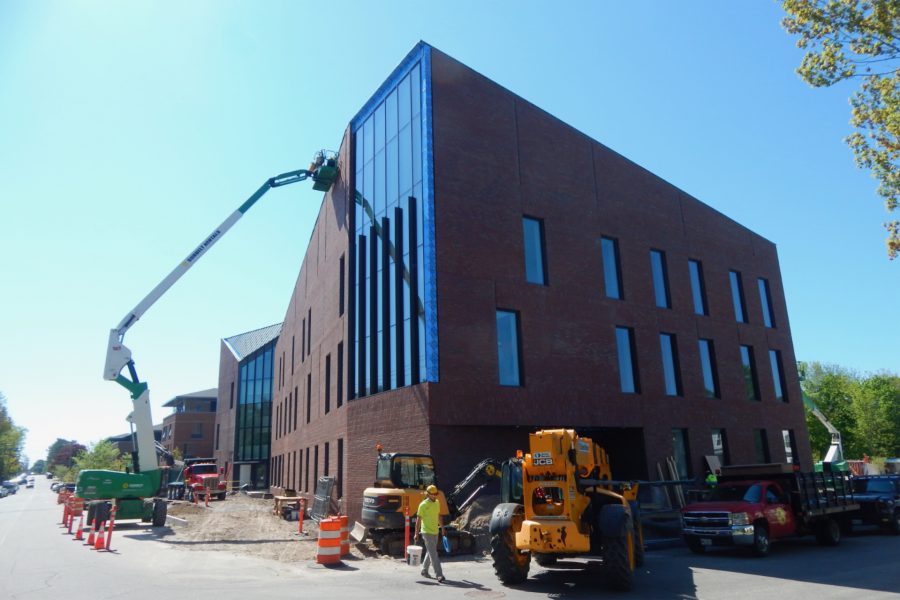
(39, 466)
(857, 40)
(831, 388)
(876, 409)
(102, 455)
(11, 440)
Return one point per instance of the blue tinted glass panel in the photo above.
(698, 291)
(611, 278)
(403, 102)
(737, 296)
(748, 366)
(379, 127)
(710, 387)
(660, 282)
(508, 347)
(368, 140)
(777, 375)
(670, 364)
(534, 250)
(390, 115)
(406, 181)
(766, 302)
(627, 373)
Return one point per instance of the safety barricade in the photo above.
(345, 534)
(76, 508)
(328, 548)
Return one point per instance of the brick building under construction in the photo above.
(481, 269)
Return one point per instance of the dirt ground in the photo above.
(244, 525)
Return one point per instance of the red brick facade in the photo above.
(498, 158)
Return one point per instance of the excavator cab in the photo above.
(404, 471)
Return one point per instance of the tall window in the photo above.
(671, 375)
(720, 445)
(681, 452)
(390, 269)
(737, 296)
(340, 468)
(296, 400)
(778, 375)
(708, 368)
(628, 371)
(217, 436)
(308, 396)
(612, 277)
(698, 287)
(327, 384)
(748, 366)
(340, 374)
(535, 263)
(254, 406)
(660, 279)
(341, 286)
(508, 358)
(765, 299)
(790, 446)
(326, 459)
(761, 446)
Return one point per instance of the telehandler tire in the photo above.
(616, 568)
(510, 565)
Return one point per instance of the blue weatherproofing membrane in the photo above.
(420, 54)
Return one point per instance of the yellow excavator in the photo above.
(559, 500)
(400, 482)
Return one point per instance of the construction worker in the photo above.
(711, 480)
(428, 524)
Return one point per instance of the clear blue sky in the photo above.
(129, 130)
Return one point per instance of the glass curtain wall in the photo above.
(254, 416)
(393, 280)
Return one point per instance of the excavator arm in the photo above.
(466, 491)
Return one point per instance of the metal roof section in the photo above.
(126, 437)
(211, 394)
(243, 345)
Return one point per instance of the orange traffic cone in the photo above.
(100, 544)
(79, 533)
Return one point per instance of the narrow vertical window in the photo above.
(217, 436)
(308, 395)
(761, 446)
(292, 353)
(303, 342)
(340, 374)
(309, 332)
(341, 286)
(327, 383)
(748, 366)
(778, 375)
(660, 279)
(340, 468)
(326, 460)
(708, 368)
(535, 263)
(790, 446)
(316, 466)
(231, 398)
(737, 296)
(681, 452)
(612, 278)
(296, 399)
(628, 371)
(508, 348)
(306, 470)
(671, 373)
(698, 287)
(765, 299)
(720, 445)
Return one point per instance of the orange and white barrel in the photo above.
(328, 548)
(345, 534)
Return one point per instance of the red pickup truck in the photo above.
(753, 505)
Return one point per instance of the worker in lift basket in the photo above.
(428, 524)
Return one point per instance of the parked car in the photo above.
(3, 492)
(879, 500)
(55, 485)
(11, 487)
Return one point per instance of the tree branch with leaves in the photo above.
(850, 40)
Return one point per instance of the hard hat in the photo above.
(431, 489)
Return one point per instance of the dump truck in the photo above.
(754, 505)
(559, 500)
(198, 477)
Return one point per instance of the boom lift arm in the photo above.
(323, 172)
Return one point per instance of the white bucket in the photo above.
(415, 555)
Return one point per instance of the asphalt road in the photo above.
(38, 560)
